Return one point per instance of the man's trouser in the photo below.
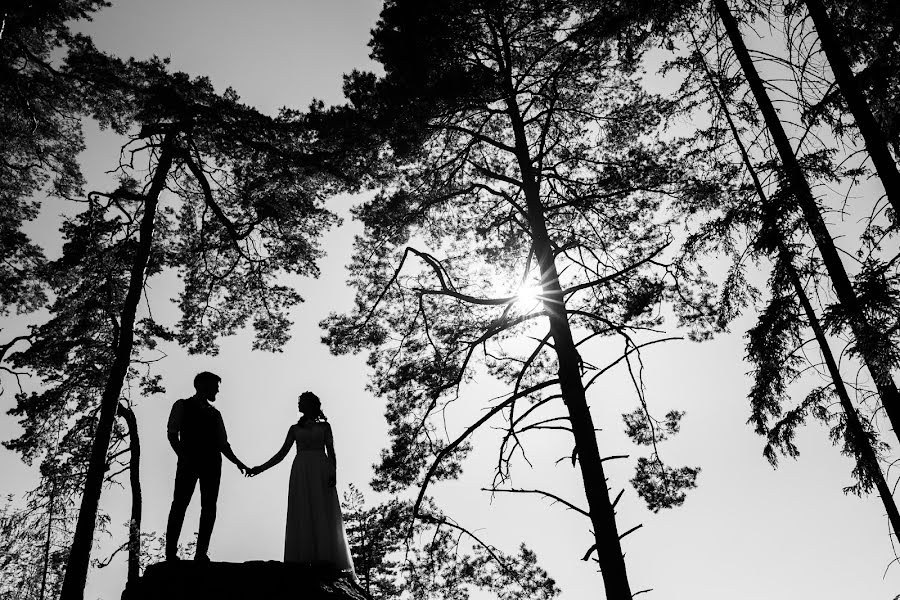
(189, 471)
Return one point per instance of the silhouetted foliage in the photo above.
(530, 193)
(373, 534)
(438, 563)
(34, 537)
(244, 210)
(660, 485)
(153, 550)
(527, 157)
(771, 218)
(862, 37)
(40, 111)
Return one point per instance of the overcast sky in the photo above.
(746, 532)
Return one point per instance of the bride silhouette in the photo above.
(314, 532)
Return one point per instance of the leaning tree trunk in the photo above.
(80, 553)
(872, 135)
(602, 514)
(137, 503)
(868, 458)
(875, 141)
(862, 330)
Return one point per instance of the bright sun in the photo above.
(528, 296)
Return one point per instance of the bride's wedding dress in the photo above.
(315, 529)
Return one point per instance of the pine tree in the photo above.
(873, 345)
(869, 129)
(442, 560)
(521, 211)
(40, 113)
(753, 224)
(780, 323)
(232, 202)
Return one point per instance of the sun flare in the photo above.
(529, 296)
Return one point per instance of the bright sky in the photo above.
(747, 532)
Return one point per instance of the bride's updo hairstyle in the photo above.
(315, 408)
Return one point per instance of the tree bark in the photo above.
(869, 458)
(137, 503)
(873, 137)
(602, 515)
(840, 281)
(80, 553)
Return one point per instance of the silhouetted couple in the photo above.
(314, 531)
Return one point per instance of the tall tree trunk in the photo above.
(47, 540)
(602, 515)
(840, 281)
(137, 503)
(80, 553)
(873, 136)
(869, 459)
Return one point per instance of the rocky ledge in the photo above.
(255, 580)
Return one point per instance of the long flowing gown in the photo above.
(315, 528)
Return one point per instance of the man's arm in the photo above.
(225, 447)
(173, 428)
(229, 454)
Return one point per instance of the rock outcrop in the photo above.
(255, 580)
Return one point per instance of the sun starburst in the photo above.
(529, 297)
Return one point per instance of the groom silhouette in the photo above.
(197, 434)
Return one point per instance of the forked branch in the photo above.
(449, 448)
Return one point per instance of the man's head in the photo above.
(207, 385)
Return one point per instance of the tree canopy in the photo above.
(557, 192)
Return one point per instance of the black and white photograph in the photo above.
(449, 300)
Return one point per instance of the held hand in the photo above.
(243, 469)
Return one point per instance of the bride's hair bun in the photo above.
(316, 413)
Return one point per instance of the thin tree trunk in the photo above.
(367, 556)
(80, 553)
(47, 541)
(869, 458)
(873, 136)
(862, 330)
(602, 515)
(134, 474)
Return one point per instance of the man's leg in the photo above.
(185, 481)
(210, 476)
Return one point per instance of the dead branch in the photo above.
(554, 497)
(455, 443)
(610, 277)
(632, 530)
(444, 521)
